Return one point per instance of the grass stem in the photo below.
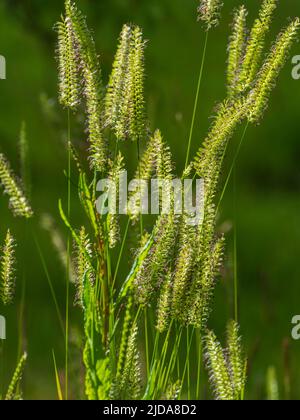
(196, 101)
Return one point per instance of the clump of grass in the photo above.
(176, 265)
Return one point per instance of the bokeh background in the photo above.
(264, 205)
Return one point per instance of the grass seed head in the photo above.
(209, 12)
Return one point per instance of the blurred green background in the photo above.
(265, 207)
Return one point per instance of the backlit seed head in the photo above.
(259, 95)
(209, 12)
(236, 49)
(12, 187)
(125, 104)
(255, 45)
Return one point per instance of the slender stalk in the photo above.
(2, 366)
(196, 101)
(163, 359)
(23, 296)
(187, 358)
(68, 264)
(156, 342)
(53, 294)
(232, 170)
(111, 309)
(139, 166)
(199, 364)
(188, 344)
(178, 358)
(121, 253)
(137, 315)
(141, 233)
(174, 357)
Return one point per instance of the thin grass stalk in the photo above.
(139, 171)
(165, 346)
(141, 233)
(57, 380)
(208, 165)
